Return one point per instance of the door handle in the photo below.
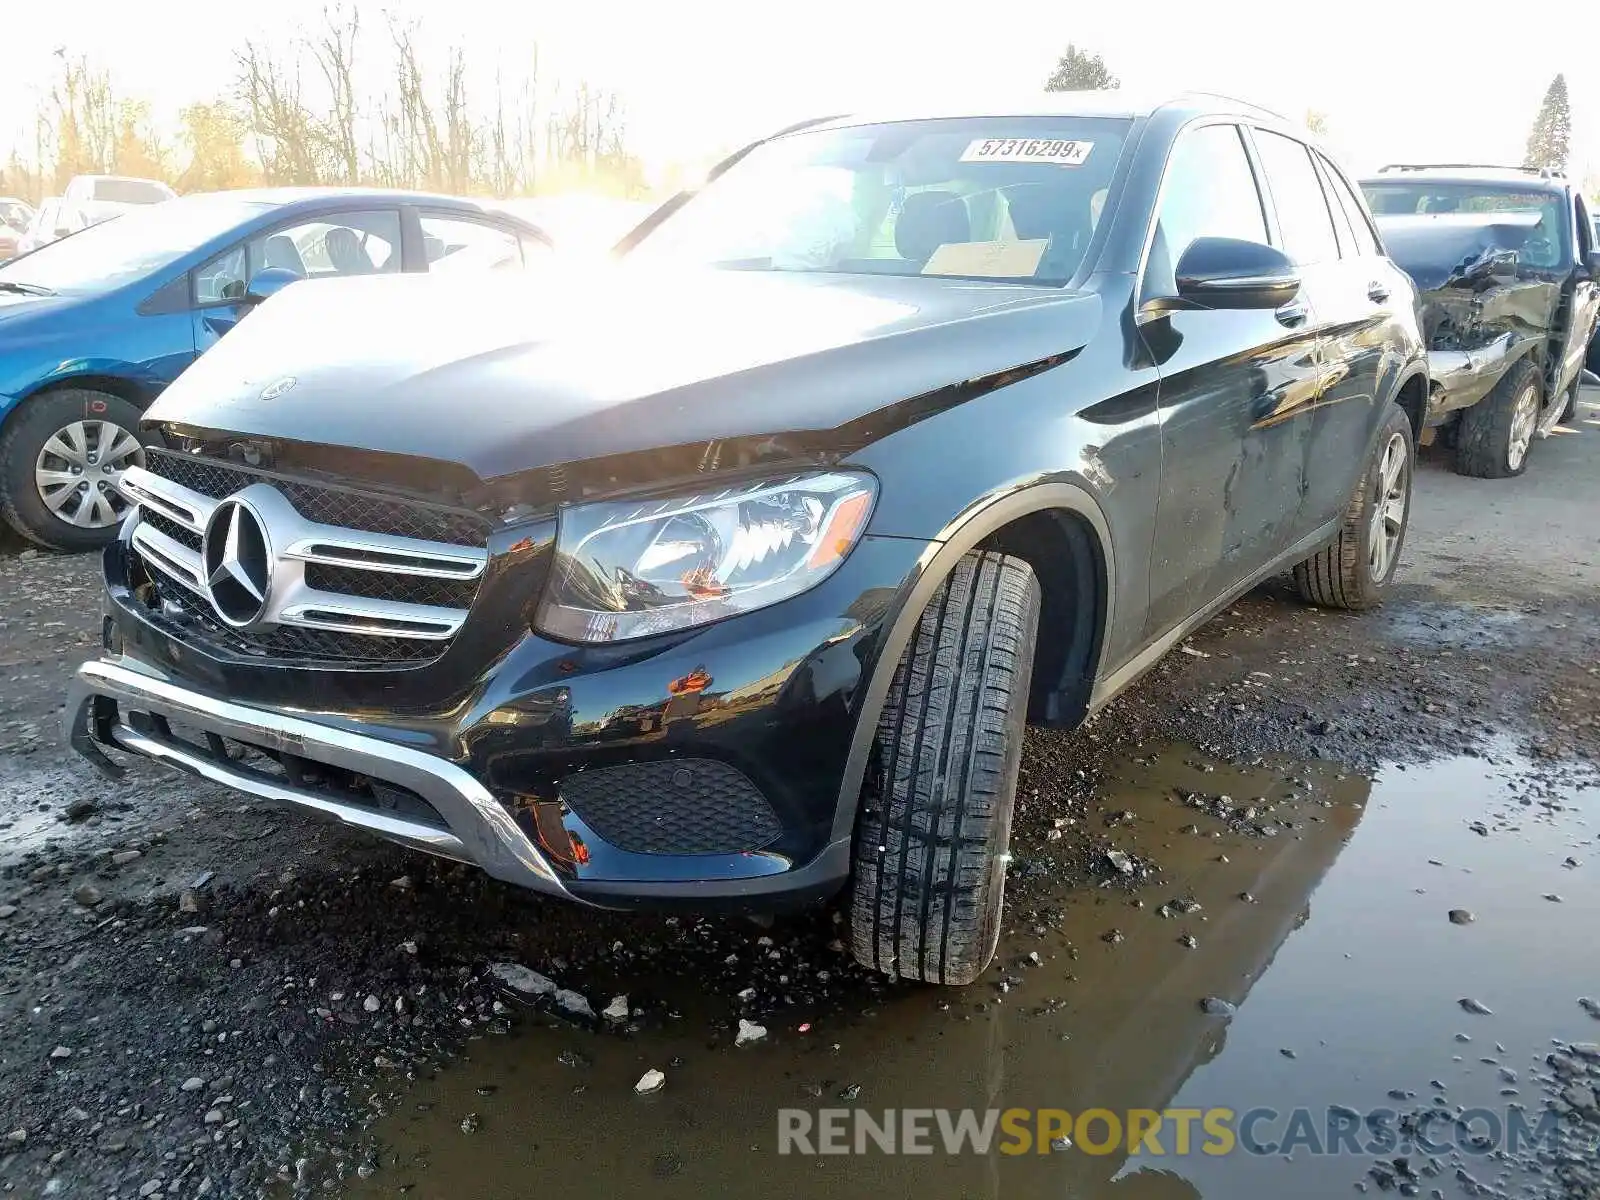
(1294, 312)
(1377, 292)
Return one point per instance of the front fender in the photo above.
(976, 523)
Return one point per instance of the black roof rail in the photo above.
(1542, 172)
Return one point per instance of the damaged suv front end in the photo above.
(1508, 276)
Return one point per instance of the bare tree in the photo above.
(335, 55)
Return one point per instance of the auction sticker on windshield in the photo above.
(1065, 152)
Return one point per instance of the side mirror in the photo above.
(1592, 261)
(268, 282)
(1217, 272)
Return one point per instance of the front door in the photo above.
(1584, 306)
(314, 247)
(1236, 388)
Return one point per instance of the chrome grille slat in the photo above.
(169, 556)
(390, 575)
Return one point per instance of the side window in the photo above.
(1586, 228)
(1342, 232)
(346, 243)
(1345, 197)
(459, 244)
(1302, 209)
(1210, 191)
(223, 279)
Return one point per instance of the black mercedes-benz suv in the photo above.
(731, 573)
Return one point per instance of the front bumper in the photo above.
(511, 771)
(123, 705)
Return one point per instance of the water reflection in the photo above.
(1332, 1009)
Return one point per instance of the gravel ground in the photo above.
(204, 996)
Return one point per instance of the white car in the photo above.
(120, 190)
(15, 217)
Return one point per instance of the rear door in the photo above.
(1359, 291)
(1235, 388)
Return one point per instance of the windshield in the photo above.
(130, 191)
(1546, 247)
(115, 252)
(1002, 198)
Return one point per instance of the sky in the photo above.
(1404, 80)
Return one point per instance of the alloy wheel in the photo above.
(1389, 512)
(1524, 420)
(79, 471)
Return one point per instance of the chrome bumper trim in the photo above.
(480, 830)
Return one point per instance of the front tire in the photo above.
(1496, 433)
(1352, 571)
(60, 460)
(930, 852)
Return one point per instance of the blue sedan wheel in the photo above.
(61, 466)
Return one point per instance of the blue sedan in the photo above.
(94, 326)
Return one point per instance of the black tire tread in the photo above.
(929, 855)
(1483, 434)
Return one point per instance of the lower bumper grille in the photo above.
(673, 806)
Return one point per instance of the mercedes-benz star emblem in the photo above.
(237, 562)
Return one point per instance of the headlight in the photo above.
(628, 569)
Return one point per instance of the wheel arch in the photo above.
(119, 386)
(1059, 530)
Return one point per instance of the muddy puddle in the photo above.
(1320, 905)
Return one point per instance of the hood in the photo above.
(504, 374)
(1451, 249)
(15, 309)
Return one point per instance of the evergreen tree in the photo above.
(1549, 143)
(1081, 71)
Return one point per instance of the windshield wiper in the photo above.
(24, 289)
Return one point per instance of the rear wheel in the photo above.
(60, 462)
(930, 853)
(1570, 412)
(1496, 433)
(1353, 570)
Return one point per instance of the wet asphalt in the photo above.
(1319, 867)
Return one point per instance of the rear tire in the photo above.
(930, 852)
(60, 458)
(1352, 571)
(1570, 412)
(1496, 433)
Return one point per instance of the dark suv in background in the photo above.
(1508, 272)
(734, 575)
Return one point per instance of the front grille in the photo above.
(326, 503)
(195, 622)
(348, 597)
(171, 528)
(381, 585)
(673, 806)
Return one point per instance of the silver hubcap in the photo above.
(79, 469)
(1389, 513)
(1523, 421)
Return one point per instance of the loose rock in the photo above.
(749, 1032)
(651, 1081)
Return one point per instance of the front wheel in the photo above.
(1353, 570)
(930, 847)
(1495, 434)
(61, 460)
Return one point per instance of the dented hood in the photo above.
(503, 374)
(1444, 249)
